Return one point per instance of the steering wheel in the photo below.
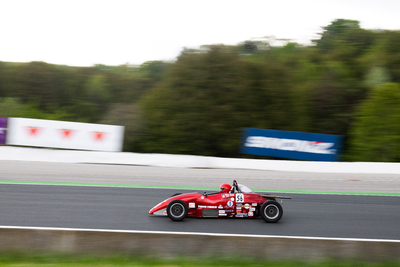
(235, 186)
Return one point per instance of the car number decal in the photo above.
(239, 198)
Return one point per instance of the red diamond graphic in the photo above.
(66, 133)
(33, 131)
(98, 136)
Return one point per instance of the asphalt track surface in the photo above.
(126, 208)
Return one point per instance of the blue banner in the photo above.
(293, 145)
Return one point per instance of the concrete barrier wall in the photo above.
(187, 161)
(164, 244)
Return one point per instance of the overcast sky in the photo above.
(88, 32)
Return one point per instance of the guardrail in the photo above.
(175, 244)
(187, 161)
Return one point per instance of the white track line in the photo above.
(195, 233)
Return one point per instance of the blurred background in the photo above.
(345, 82)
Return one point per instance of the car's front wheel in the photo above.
(271, 211)
(177, 210)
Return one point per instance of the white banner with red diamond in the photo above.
(63, 134)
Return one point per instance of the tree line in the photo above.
(346, 83)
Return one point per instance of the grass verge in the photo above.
(58, 260)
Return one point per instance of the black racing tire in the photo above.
(177, 210)
(271, 211)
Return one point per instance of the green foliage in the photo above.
(199, 104)
(97, 96)
(375, 135)
(125, 89)
(84, 93)
(336, 93)
(207, 98)
(96, 89)
(333, 32)
(134, 259)
(132, 118)
(12, 107)
(154, 70)
(184, 113)
(377, 76)
(385, 53)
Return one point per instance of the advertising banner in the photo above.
(62, 134)
(293, 145)
(3, 130)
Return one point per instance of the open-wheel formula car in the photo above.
(231, 201)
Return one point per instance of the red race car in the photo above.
(232, 201)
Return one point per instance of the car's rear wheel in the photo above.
(271, 211)
(177, 210)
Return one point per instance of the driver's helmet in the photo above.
(224, 188)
